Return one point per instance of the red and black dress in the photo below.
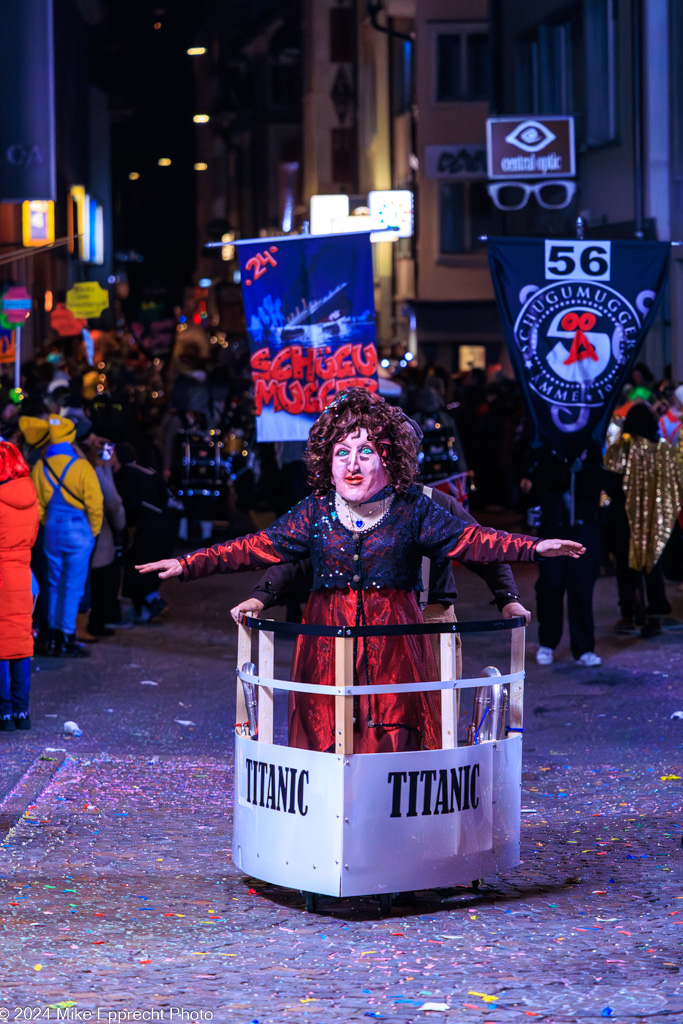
(368, 578)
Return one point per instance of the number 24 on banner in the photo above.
(259, 263)
(577, 261)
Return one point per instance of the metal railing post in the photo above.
(243, 656)
(517, 689)
(343, 705)
(266, 668)
(450, 701)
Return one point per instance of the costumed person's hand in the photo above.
(166, 567)
(514, 609)
(252, 606)
(558, 548)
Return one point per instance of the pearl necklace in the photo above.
(358, 521)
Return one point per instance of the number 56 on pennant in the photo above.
(577, 261)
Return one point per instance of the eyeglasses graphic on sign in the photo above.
(514, 195)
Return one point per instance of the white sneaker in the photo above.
(544, 656)
(589, 660)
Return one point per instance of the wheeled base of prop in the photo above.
(311, 901)
(385, 899)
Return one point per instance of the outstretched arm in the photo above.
(477, 543)
(255, 551)
(496, 575)
(287, 540)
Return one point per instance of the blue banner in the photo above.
(310, 313)
(574, 315)
(27, 109)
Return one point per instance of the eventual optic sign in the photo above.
(310, 313)
(27, 110)
(574, 315)
(455, 162)
(530, 147)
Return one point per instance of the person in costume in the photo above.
(292, 582)
(366, 528)
(71, 510)
(644, 511)
(18, 531)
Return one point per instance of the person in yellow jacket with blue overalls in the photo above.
(70, 499)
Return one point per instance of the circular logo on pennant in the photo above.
(574, 338)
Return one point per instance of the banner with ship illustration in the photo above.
(310, 315)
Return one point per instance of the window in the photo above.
(569, 67)
(547, 63)
(463, 65)
(466, 212)
(601, 72)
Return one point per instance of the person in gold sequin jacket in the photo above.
(652, 489)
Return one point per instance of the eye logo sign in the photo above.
(530, 147)
(574, 338)
(530, 136)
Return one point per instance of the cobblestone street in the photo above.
(119, 895)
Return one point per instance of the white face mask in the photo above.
(358, 471)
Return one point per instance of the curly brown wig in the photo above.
(388, 428)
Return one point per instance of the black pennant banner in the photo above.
(574, 315)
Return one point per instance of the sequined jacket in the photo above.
(278, 583)
(388, 555)
(653, 493)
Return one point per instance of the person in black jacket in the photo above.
(152, 525)
(568, 493)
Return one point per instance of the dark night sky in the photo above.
(149, 79)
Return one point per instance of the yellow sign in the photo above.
(87, 299)
(38, 222)
(79, 202)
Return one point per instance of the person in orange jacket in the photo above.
(71, 509)
(18, 532)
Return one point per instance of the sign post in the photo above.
(15, 307)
